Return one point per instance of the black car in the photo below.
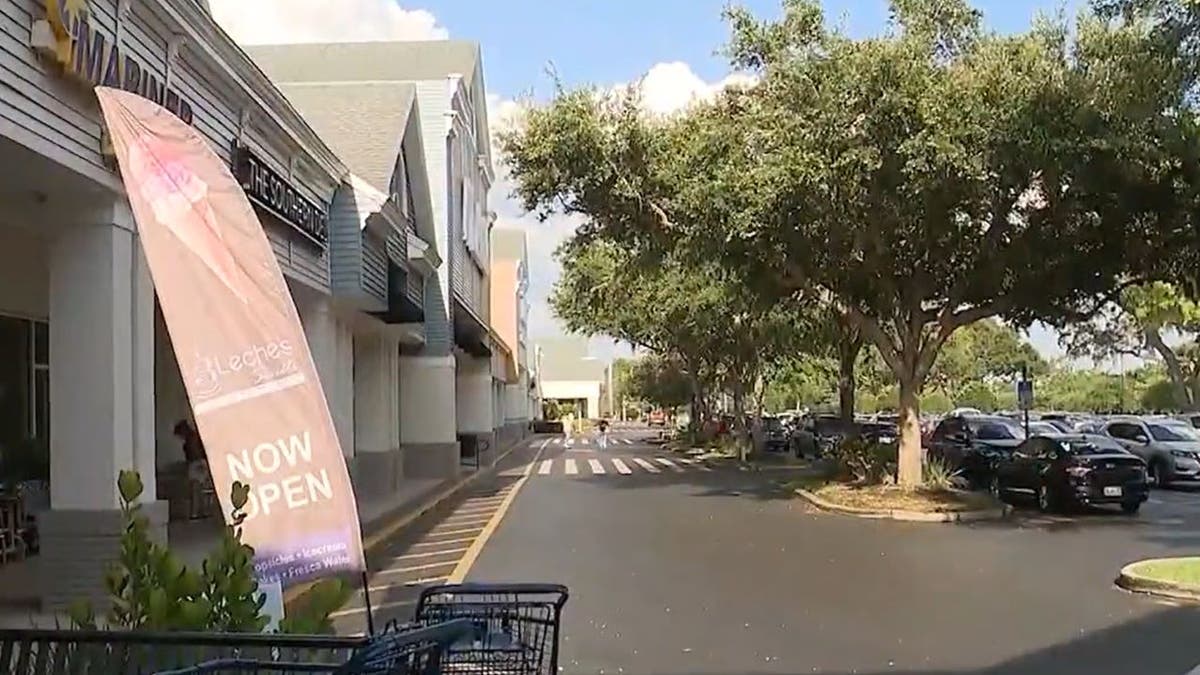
(972, 444)
(1065, 470)
(777, 435)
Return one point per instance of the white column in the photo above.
(427, 400)
(374, 395)
(473, 394)
(92, 302)
(328, 348)
(145, 451)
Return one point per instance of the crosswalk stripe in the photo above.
(628, 442)
(570, 442)
(622, 467)
(545, 467)
(596, 466)
(558, 441)
(645, 465)
(571, 468)
(583, 441)
(668, 463)
(696, 463)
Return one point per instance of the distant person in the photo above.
(568, 421)
(198, 477)
(603, 425)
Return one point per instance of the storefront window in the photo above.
(24, 380)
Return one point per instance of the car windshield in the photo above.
(996, 429)
(1043, 428)
(1171, 433)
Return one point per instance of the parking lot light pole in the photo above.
(1025, 404)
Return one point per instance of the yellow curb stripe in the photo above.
(468, 559)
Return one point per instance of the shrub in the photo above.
(150, 588)
(939, 475)
(867, 463)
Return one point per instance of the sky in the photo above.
(671, 46)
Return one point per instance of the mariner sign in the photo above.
(272, 191)
(69, 38)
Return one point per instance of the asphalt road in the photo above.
(686, 570)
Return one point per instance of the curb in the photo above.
(384, 531)
(1130, 580)
(909, 516)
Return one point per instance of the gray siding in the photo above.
(415, 287)
(345, 248)
(60, 117)
(374, 268)
(431, 95)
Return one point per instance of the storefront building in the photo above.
(510, 319)
(448, 390)
(86, 369)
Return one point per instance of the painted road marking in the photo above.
(622, 467)
(597, 467)
(431, 554)
(558, 441)
(544, 469)
(626, 441)
(669, 464)
(645, 465)
(583, 441)
(464, 565)
(696, 463)
(374, 608)
(415, 568)
(407, 584)
(571, 469)
(443, 542)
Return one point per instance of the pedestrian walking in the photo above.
(603, 434)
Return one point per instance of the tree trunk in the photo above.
(739, 419)
(908, 470)
(1179, 384)
(847, 358)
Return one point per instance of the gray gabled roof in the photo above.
(362, 123)
(368, 61)
(379, 62)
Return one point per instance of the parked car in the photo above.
(657, 418)
(776, 434)
(1170, 449)
(1058, 471)
(972, 444)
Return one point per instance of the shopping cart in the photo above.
(417, 650)
(515, 627)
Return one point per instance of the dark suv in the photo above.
(973, 444)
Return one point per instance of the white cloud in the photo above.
(673, 86)
(289, 21)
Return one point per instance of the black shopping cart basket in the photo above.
(416, 651)
(515, 627)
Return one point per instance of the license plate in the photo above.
(1112, 491)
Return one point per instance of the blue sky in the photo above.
(606, 41)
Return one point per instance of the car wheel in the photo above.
(1045, 499)
(1156, 476)
(1130, 508)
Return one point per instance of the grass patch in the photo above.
(892, 497)
(1183, 571)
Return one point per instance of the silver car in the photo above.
(1171, 450)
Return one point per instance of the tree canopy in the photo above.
(915, 182)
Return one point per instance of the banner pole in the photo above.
(367, 601)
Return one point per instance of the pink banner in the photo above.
(254, 391)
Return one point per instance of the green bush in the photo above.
(859, 461)
(150, 588)
(938, 475)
